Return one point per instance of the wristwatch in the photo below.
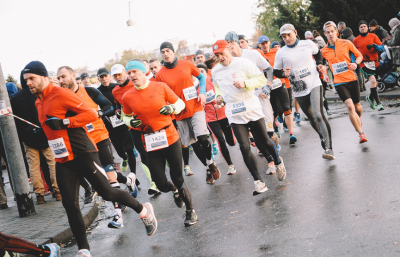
(66, 122)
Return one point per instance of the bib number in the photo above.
(115, 122)
(233, 109)
(276, 83)
(302, 73)
(89, 127)
(210, 96)
(190, 93)
(370, 65)
(58, 148)
(339, 67)
(156, 141)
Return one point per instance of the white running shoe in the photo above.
(117, 222)
(271, 168)
(259, 187)
(231, 170)
(83, 253)
(131, 178)
(281, 170)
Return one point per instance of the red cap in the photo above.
(219, 46)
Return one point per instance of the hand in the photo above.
(353, 66)
(219, 100)
(239, 84)
(135, 122)
(269, 83)
(287, 72)
(371, 46)
(322, 68)
(118, 113)
(55, 123)
(166, 110)
(264, 96)
(202, 98)
(326, 78)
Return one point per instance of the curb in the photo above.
(63, 235)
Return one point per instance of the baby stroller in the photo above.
(387, 74)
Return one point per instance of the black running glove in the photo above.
(135, 122)
(166, 109)
(371, 46)
(55, 123)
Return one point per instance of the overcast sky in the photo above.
(90, 32)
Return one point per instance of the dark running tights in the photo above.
(202, 149)
(137, 141)
(185, 155)
(173, 154)
(224, 134)
(312, 106)
(374, 95)
(259, 132)
(88, 166)
(18, 245)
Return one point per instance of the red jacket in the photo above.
(212, 114)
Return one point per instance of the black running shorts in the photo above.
(349, 90)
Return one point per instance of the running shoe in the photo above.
(215, 148)
(214, 171)
(123, 208)
(124, 165)
(276, 129)
(83, 253)
(292, 140)
(150, 221)
(329, 113)
(297, 117)
(280, 119)
(231, 170)
(190, 218)
(363, 138)
(212, 156)
(285, 128)
(131, 185)
(328, 154)
(89, 196)
(190, 147)
(281, 170)
(259, 187)
(271, 168)
(135, 152)
(153, 190)
(188, 171)
(209, 177)
(137, 182)
(178, 200)
(252, 142)
(40, 199)
(371, 103)
(55, 250)
(116, 222)
(380, 107)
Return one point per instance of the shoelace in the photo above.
(146, 221)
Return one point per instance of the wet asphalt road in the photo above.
(346, 207)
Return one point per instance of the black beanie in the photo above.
(37, 68)
(199, 52)
(362, 22)
(203, 66)
(373, 23)
(243, 37)
(167, 45)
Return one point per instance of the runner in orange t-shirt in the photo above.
(148, 107)
(191, 121)
(367, 44)
(97, 130)
(63, 116)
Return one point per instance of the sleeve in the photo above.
(170, 96)
(216, 89)
(279, 74)
(97, 97)
(115, 99)
(278, 65)
(269, 73)
(353, 49)
(84, 114)
(318, 57)
(314, 48)
(377, 40)
(255, 78)
(260, 60)
(194, 70)
(202, 82)
(127, 109)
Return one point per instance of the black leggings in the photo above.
(280, 96)
(18, 245)
(312, 106)
(107, 158)
(88, 166)
(324, 87)
(259, 132)
(224, 134)
(173, 154)
(202, 149)
(137, 141)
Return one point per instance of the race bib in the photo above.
(115, 122)
(233, 109)
(89, 127)
(155, 141)
(370, 65)
(190, 93)
(276, 83)
(339, 67)
(58, 148)
(257, 91)
(302, 73)
(210, 96)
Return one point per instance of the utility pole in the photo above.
(13, 151)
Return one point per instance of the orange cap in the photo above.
(219, 46)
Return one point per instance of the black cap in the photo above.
(167, 45)
(243, 37)
(373, 23)
(84, 75)
(102, 71)
(362, 22)
(203, 66)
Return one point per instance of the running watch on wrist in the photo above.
(66, 122)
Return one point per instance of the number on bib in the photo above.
(156, 141)
(339, 67)
(58, 148)
(302, 73)
(210, 96)
(233, 109)
(89, 127)
(190, 93)
(276, 83)
(115, 122)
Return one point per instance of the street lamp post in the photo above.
(129, 22)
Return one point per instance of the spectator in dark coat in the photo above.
(378, 30)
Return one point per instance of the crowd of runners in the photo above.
(161, 109)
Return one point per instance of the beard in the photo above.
(68, 84)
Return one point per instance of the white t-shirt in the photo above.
(256, 58)
(242, 106)
(303, 75)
